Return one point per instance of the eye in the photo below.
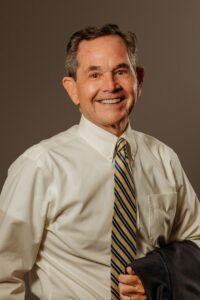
(94, 75)
(121, 72)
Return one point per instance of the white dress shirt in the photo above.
(56, 211)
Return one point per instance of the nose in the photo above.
(110, 83)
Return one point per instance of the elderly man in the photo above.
(100, 211)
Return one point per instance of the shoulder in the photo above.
(39, 154)
(153, 145)
(153, 152)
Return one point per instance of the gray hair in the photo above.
(90, 33)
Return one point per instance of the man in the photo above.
(67, 202)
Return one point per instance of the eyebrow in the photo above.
(123, 66)
(97, 68)
(93, 68)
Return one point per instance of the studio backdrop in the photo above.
(34, 105)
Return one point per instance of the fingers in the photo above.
(131, 286)
(133, 281)
(129, 279)
(130, 271)
(126, 289)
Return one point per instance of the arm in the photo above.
(22, 217)
(187, 222)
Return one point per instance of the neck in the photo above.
(116, 129)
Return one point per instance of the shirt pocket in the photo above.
(162, 210)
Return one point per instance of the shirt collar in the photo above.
(103, 141)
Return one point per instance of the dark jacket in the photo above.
(171, 272)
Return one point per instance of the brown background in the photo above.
(34, 105)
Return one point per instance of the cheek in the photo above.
(87, 92)
(129, 85)
(132, 90)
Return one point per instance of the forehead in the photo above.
(110, 47)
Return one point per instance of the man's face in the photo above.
(106, 86)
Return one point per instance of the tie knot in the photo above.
(121, 146)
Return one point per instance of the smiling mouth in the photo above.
(111, 101)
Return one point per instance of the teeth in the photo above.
(110, 101)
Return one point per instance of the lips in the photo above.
(111, 100)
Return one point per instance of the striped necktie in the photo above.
(123, 245)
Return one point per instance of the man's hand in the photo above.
(131, 286)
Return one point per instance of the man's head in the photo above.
(90, 33)
(103, 79)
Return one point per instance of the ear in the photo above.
(140, 78)
(69, 85)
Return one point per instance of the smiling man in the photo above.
(106, 85)
(100, 211)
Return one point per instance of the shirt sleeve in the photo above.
(23, 208)
(187, 221)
